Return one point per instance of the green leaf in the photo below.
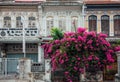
(56, 33)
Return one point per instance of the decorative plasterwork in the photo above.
(63, 13)
(112, 12)
(18, 14)
(18, 8)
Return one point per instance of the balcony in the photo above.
(16, 34)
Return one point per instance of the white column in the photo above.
(40, 54)
(80, 21)
(47, 70)
(83, 14)
(24, 68)
(86, 23)
(40, 20)
(43, 26)
(26, 22)
(111, 26)
(118, 60)
(13, 22)
(1, 23)
(68, 23)
(56, 23)
(117, 76)
(98, 23)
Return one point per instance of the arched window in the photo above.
(49, 24)
(19, 22)
(32, 22)
(62, 23)
(117, 25)
(92, 23)
(74, 22)
(105, 24)
(7, 21)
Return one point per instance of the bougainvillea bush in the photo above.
(79, 50)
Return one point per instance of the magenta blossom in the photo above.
(81, 30)
(117, 48)
(79, 50)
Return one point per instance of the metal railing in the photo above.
(9, 68)
(37, 67)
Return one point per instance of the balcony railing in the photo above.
(17, 32)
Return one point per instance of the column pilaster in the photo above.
(98, 23)
(86, 23)
(13, 22)
(111, 26)
(40, 54)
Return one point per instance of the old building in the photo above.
(25, 23)
(104, 16)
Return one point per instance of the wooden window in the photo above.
(92, 23)
(7, 21)
(105, 24)
(19, 23)
(62, 23)
(49, 24)
(32, 22)
(117, 25)
(74, 22)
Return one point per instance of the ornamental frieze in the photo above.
(103, 12)
(59, 13)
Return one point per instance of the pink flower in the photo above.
(102, 35)
(68, 34)
(61, 61)
(92, 34)
(75, 68)
(109, 67)
(78, 58)
(90, 42)
(81, 30)
(50, 49)
(66, 72)
(90, 58)
(117, 48)
(73, 39)
(96, 58)
(57, 41)
(80, 38)
(78, 50)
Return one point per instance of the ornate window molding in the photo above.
(7, 22)
(105, 24)
(32, 22)
(49, 23)
(92, 23)
(62, 23)
(19, 23)
(116, 25)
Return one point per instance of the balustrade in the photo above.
(17, 32)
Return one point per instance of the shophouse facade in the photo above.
(25, 24)
(104, 16)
